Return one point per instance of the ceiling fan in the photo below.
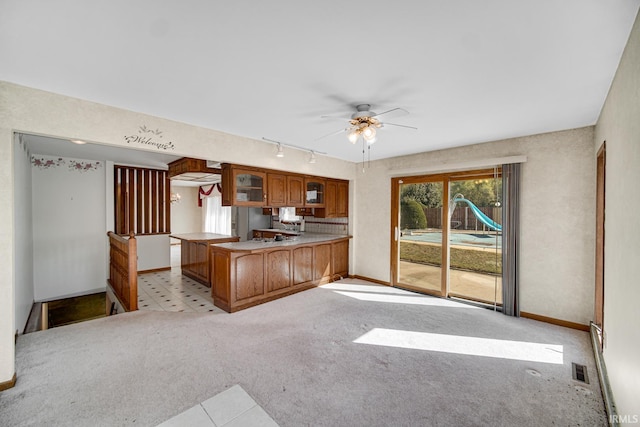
(365, 123)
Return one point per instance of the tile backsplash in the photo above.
(327, 225)
(319, 225)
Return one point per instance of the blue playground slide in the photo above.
(479, 214)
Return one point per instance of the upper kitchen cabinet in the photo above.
(314, 192)
(342, 199)
(295, 191)
(336, 204)
(243, 186)
(285, 190)
(277, 194)
(267, 188)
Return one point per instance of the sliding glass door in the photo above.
(475, 239)
(420, 255)
(447, 235)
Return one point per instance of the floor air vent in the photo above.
(579, 373)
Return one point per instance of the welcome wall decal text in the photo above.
(146, 136)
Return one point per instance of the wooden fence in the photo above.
(123, 269)
(462, 217)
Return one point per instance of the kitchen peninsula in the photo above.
(244, 274)
(194, 255)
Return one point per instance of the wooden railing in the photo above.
(123, 269)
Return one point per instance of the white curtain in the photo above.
(215, 217)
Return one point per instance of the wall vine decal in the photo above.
(42, 163)
(73, 165)
(84, 166)
(147, 136)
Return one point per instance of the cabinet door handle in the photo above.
(396, 234)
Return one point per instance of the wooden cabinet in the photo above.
(330, 202)
(340, 259)
(277, 185)
(269, 234)
(190, 169)
(336, 204)
(342, 199)
(194, 261)
(243, 186)
(295, 191)
(194, 255)
(270, 211)
(278, 266)
(248, 186)
(304, 211)
(285, 190)
(199, 261)
(314, 192)
(247, 277)
(302, 265)
(322, 263)
(249, 272)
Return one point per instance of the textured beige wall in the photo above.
(557, 216)
(619, 126)
(7, 286)
(186, 216)
(34, 111)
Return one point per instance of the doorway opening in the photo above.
(600, 217)
(448, 235)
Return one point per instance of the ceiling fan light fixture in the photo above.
(364, 122)
(353, 136)
(369, 133)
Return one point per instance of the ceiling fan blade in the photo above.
(332, 134)
(394, 112)
(402, 126)
(335, 118)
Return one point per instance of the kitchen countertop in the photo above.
(301, 239)
(201, 236)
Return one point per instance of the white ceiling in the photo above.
(467, 71)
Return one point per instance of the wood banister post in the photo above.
(133, 272)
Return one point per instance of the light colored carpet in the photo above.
(297, 358)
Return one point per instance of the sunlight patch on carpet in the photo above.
(345, 285)
(406, 299)
(473, 346)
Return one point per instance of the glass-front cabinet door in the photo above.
(249, 187)
(243, 187)
(314, 192)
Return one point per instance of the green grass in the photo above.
(463, 259)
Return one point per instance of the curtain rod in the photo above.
(453, 167)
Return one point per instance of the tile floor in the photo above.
(171, 291)
(231, 408)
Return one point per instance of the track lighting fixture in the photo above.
(280, 151)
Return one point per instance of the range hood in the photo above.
(195, 170)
